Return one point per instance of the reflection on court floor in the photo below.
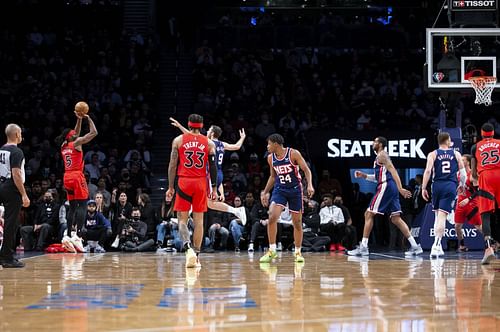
(330, 292)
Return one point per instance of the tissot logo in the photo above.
(474, 4)
(346, 148)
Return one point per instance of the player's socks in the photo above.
(412, 241)
(364, 242)
(272, 247)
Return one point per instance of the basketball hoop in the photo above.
(483, 85)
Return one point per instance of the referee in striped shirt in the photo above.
(12, 193)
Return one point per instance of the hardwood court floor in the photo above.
(233, 292)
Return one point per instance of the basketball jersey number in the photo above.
(445, 167)
(219, 161)
(2, 158)
(68, 161)
(285, 178)
(198, 163)
(490, 157)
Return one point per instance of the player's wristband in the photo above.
(371, 177)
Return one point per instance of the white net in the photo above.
(483, 85)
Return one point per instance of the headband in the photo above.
(197, 125)
(71, 133)
(487, 133)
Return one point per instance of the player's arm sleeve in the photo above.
(213, 169)
(473, 162)
(463, 176)
(16, 158)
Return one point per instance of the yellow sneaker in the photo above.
(268, 257)
(191, 258)
(298, 257)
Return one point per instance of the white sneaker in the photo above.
(77, 243)
(414, 251)
(241, 214)
(250, 247)
(98, 249)
(489, 255)
(67, 244)
(359, 251)
(116, 242)
(436, 252)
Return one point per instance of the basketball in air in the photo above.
(437, 77)
(81, 108)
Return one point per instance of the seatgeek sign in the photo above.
(473, 5)
(406, 149)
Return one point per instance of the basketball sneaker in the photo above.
(298, 257)
(250, 247)
(98, 249)
(489, 255)
(436, 251)
(414, 251)
(191, 258)
(67, 244)
(359, 251)
(268, 257)
(77, 243)
(241, 214)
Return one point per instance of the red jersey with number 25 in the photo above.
(488, 154)
(72, 158)
(193, 156)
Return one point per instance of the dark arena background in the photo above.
(106, 244)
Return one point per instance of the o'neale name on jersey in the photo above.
(67, 150)
(283, 169)
(198, 145)
(488, 145)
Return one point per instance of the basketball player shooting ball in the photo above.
(74, 180)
